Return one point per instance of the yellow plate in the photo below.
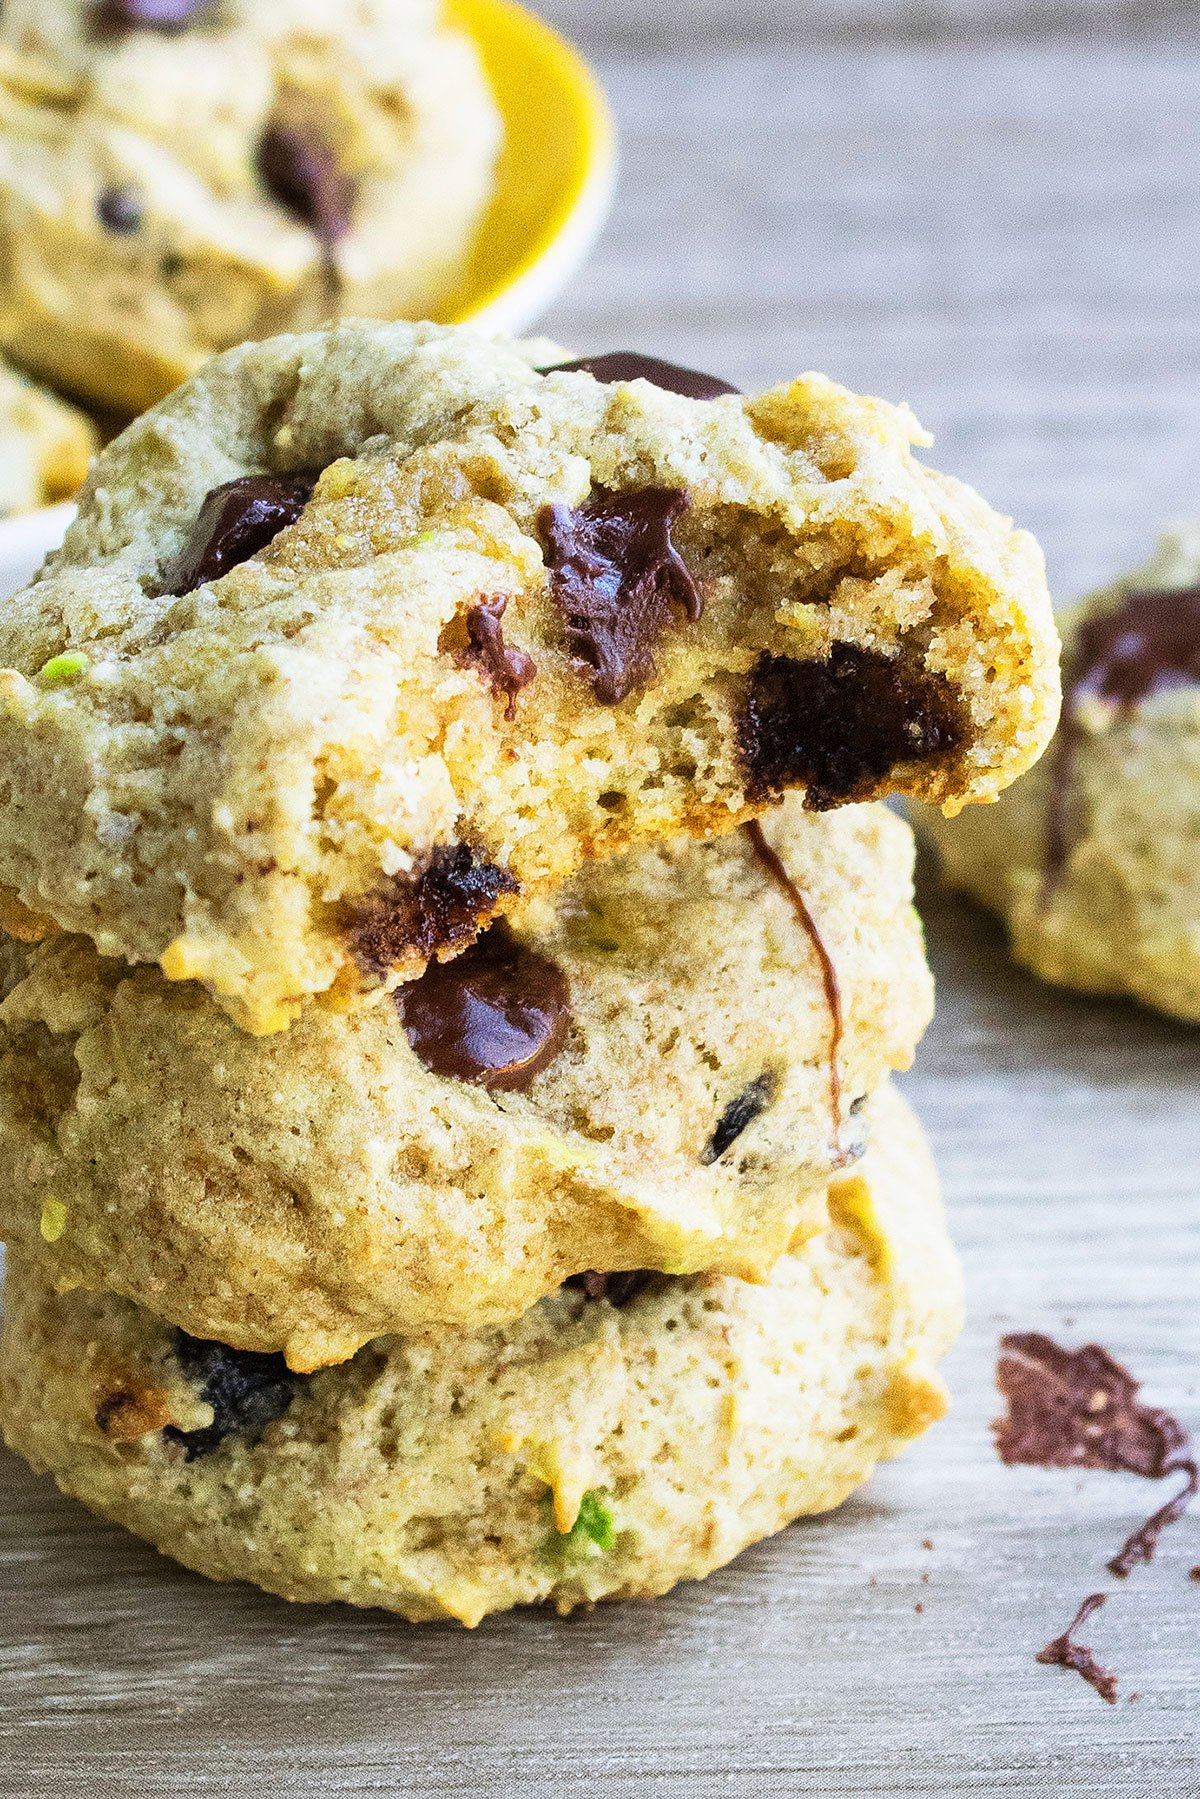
(554, 180)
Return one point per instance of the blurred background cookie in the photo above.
(45, 445)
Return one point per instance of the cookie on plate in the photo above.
(1093, 860)
(179, 175)
(45, 445)
(365, 637)
(658, 1070)
(607, 1445)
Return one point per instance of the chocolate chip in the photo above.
(838, 728)
(120, 209)
(739, 1113)
(502, 665)
(149, 15)
(236, 521)
(628, 365)
(497, 1015)
(1061, 1652)
(442, 908)
(1078, 1409)
(301, 171)
(617, 1289)
(245, 1390)
(616, 575)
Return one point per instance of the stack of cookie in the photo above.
(456, 958)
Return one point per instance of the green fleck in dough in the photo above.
(54, 1220)
(593, 1525)
(60, 670)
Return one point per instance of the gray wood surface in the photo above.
(1008, 234)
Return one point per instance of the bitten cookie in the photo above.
(45, 445)
(601, 1447)
(1094, 860)
(365, 637)
(178, 177)
(659, 1070)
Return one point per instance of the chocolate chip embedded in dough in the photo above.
(629, 365)
(236, 521)
(738, 1114)
(443, 908)
(617, 577)
(149, 15)
(496, 1016)
(838, 728)
(119, 209)
(245, 1389)
(505, 668)
(301, 171)
(618, 1289)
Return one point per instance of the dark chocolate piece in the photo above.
(771, 862)
(506, 668)
(149, 15)
(617, 575)
(497, 1015)
(246, 1391)
(119, 209)
(739, 1113)
(1061, 1652)
(1079, 1409)
(301, 171)
(838, 728)
(443, 908)
(1149, 644)
(617, 1289)
(236, 521)
(1141, 1544)
(629, 365)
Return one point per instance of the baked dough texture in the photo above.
(168, 193)
(45, 445)
(1121, 916)
(311, 1191)
(588, 1451)
(309, 775)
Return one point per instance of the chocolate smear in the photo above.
(1141, 1544)
(838, 728)
(444, 908)
(236, 521)
(506, 668)
(246, 1391)
(1078, 1408)
(629, 365)
(739, 1113)
(300, 170)
(1150, 644)
(774, 868)
(119, 209)
(617, 1289)
(617, 577)
(497, 1015)
(1061, 1652)
(149, 15)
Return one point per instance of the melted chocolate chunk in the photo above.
(245, 1390)
(1061, 1652)
(1148, 645)
(1079, 1409)
(497, 1015)
(506, 668)
(443, 908)
(838, 728)
(301, 171)
(149, 15)
(236, 521)
(628, 365)
(1141, 1544)
(616, 575)
(739, 1113)
(120, 209)
(617, 1289)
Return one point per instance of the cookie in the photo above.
(601, 1447)
(1092, 861)
(176, 178)
(641, 1075)
(45, 445)
(296, 732)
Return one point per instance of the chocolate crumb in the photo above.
(120, 209)
(616, 575)
(1061, 1652)
(506, 668)
(840, 727)
(1141, 1544)
(918, 1607)
(236, 521)
(628, 365)
(301, 172)
(617, 1289)
(926, 1542)
(1194, 1573)
(444, 908)
(497, 1015)
(1078, 1409)
(245, 1389)
(739, 1113)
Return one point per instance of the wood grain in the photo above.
(1008, 235)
